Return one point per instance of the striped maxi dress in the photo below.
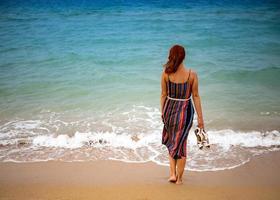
(177, 118)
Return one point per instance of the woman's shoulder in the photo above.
(164, 75)
(192, 71)
(193, 74)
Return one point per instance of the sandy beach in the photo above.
(258, 179)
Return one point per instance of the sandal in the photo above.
(199, 137)
(202, 138)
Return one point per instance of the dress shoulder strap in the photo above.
(189, 75)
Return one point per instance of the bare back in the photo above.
(182, 75)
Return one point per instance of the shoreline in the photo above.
(257, 179)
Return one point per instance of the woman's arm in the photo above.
(197, 101)
(163, 92)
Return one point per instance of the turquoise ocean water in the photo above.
(85, 76)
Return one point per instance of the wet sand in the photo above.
(258, 179)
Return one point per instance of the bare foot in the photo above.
(179, 182)
(172, 178)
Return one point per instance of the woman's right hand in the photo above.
(200, 123)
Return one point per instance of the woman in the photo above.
(178, 83)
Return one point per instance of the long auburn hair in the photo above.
(175, 58)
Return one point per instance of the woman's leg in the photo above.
(172, 162)
(180, 169)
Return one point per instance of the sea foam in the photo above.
(131, 135)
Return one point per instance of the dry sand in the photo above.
(258, 179)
